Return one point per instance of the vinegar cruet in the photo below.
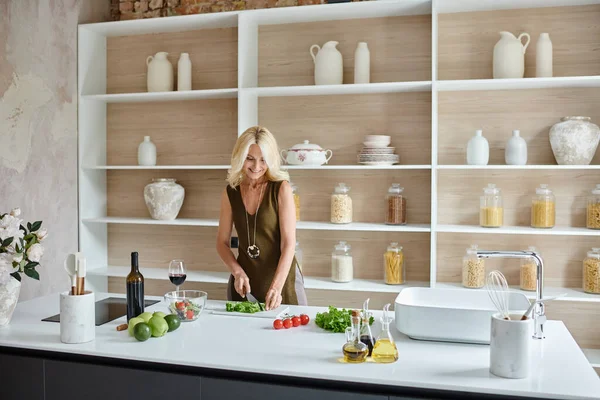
(365, 330)
(385, 350)
(354, 350)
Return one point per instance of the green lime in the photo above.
(159, 326)
(142, 331)
(132, 323)
(173, 321)
(145, 316)
(159, 314)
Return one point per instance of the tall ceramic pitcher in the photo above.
(160, 73)
(509, 56)
(329, 65)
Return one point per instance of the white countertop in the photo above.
(560, 369)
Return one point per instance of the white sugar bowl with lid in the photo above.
(306, 154)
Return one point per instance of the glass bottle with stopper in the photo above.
(385, 350)
(354, 350)
(365, 330)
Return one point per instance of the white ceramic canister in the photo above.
(509, 56)
(478, 149)
(160, 73)
(329, 64)
(515, 152)
(543, 56)
(164, 198)
(574, 140)
(184, 72)
(147, 152)
(77, 317)
(362, 63)
(510, 346)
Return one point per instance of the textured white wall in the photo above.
(38, 123)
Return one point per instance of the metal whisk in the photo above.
(497, 289)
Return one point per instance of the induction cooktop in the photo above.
(107, 310)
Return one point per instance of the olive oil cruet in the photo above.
(385, 350)
(354, 350)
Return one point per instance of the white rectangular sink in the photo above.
(449, 315)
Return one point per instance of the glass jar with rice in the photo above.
(473, 271)
(342, 269)
(393, 263)
(591, 272)
(491, 210)
(543, 209)
(593, 209)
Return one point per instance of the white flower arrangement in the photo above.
(20, 247)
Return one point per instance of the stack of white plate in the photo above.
(376, 151)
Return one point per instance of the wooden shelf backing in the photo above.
(184, 132)
(400, 49)
(340, 123)
(563, 256)
(498, 112)
(466, 40)
(213, 53)
(459, 195)
(125, 192)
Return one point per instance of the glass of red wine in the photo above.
(177, 273)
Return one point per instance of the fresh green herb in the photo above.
(243, 307)
(336, 320)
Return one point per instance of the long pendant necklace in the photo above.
(253, 250)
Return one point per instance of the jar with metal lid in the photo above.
(473, 271)
(528, 274)
(342, 269)
(491, 210)
(395, 205)
(393, 263)
(299, 255)
(296, 200)
(341, 205)
(591, 272)
(543, 209)
(593, 209)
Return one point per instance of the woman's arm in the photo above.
(242, 283)
(287, 227)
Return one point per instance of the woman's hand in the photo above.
(273, 298)
(242, 283)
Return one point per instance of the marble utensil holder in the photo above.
(510, 346)
(77, 318)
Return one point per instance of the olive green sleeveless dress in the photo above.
(261, 270)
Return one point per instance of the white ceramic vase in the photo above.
(543, 56)
(574, 140)
(478, 150)
(515, 152)
(77, 317)
(160, 73)
(329, 64)
(509, 56)
(184, 72)
(164, 198)
(362, 63)
(9, 297)
(147, 152)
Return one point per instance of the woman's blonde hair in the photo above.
(268, 145)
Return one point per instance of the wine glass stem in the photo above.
(177, 288)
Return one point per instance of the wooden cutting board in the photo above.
(273, 314)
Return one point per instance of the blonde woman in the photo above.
(258, 200)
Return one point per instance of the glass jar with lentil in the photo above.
(395, 202)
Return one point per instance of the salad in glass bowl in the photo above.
(186, 304)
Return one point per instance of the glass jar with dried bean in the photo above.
(395, 203)
(491, 210)
(528, 279)
(543, 210)
(342, 269)
(473, 271)
(296, 200)
(393, 263)
(341, 205)
(591, 272)
(593, 209)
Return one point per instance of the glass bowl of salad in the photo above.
(186, 304)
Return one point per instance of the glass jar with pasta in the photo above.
(395, 204)
(341, 205)
(591, 272)
(393, 263)
(473, 271)
(491, 210)
(593, 209)
(528, 274)
(543, 209)
(296, 200)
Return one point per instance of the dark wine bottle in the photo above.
(135, 289)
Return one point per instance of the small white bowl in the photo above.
(377, 138)
(376, 144)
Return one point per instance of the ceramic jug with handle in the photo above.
(509, 56)
(329, 65)
(160, 73)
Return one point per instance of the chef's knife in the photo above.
(252, 299)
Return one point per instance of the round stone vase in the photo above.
(9, 296)
(574, 140)
(164, 198)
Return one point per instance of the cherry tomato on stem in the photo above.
(287, 323)
(278, 324)
(304, 319)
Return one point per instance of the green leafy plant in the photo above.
(20, 247)
(243, 307)
(336, 320)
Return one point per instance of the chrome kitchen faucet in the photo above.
(539, 311)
